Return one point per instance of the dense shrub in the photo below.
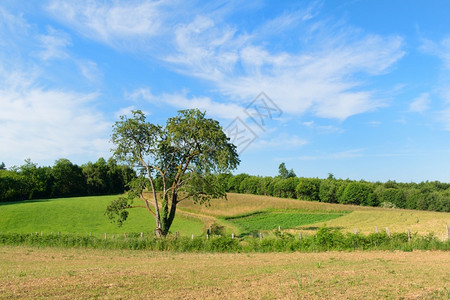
(326, 239)
(356, 193)
(308, 189)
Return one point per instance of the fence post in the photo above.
(448, 233)
(232, 236)
(387, 232)
(356, 231)
(142, 235)
(260, 236)
(207, 236)
(125, 235)
(192, 237)
(376, 229)
(279, 228)
(409, 235)
(300, 234)
(59, 233)
(105, 235)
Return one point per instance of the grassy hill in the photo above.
(240, 214)
(81, 215)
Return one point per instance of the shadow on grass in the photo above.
(24, 201)
(314, 228)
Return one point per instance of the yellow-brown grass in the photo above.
(363, 218)
(32, 273)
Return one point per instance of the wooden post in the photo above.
(176, 234)
(260, 236)
(105, 235)
(387, 232)
(448, 233)
(207, 236)
(192, 237)
(125, 235)
(59, 233)
(356, 231)
(142, 235)
(409, 235)
(376, 229)
(300, 234)
(232, 235)
(279, 228)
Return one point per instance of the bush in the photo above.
(356, 193)
(308, 189)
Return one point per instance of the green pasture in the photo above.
(81, 215)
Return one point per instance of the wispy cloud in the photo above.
(318, 77)
(40, 122)
(54, 44)
(420, 104)
(115, 23)
(182, 100)
(47, 124)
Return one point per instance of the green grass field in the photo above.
(82, 215)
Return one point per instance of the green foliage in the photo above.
(285, 173)
(64, 179)
(326, 239)
(394, 196)
(181, 160)
(356, 193)
(328, 191)
(308, 189)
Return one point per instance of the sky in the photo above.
(359, 89)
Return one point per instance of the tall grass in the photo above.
(326, 239)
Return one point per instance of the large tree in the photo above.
(184, 157)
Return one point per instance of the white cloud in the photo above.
(112, 22)
(420, 104)
(48, 124)
(291, 142)
(320, 81)
(182, 101)
(441, 49)
(318, 76)
(89, 70)
(54, 44)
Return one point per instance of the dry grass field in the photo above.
(363, 218)
(36, 273)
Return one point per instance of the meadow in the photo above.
(240, 214)
(48, 265)
(61, 273)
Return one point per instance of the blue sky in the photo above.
(360, 89)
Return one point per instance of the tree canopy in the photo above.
(174, 162)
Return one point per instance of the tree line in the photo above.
(429, 195)
(63, 179)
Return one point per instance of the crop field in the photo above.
(33, 273)
(270, 220)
